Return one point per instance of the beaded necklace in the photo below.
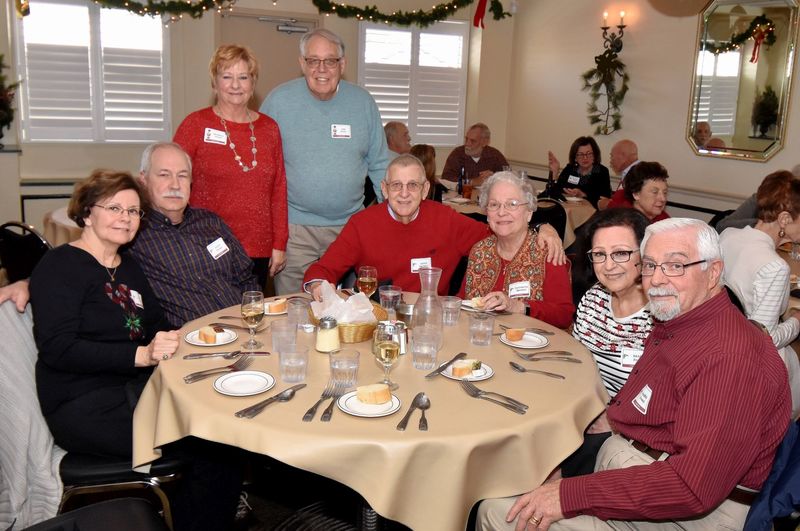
(236, 156)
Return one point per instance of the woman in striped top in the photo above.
(612, 319)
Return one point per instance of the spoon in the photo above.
(424, 403)
(283, 396)
(401, 426)
(519, 368)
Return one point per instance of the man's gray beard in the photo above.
(664, 311)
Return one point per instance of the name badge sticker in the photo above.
(520, 289)
(136, 297)
(217, 248)
(574, 179)
(419, 263)
(629, 357)
(215, 136)
(340, 131)
(642, 400)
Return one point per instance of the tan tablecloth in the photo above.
(577, 214)
(59, 229)
(426, 480)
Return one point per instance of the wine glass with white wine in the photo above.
(252, 314)
(386, 350)
(367, 280)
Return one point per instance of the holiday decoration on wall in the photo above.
(761, 30)
(608, 79)
(197, 8)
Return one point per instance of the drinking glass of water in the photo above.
(451, 309)
(390, 297)
(293, 364)
(344, 367)
(481, 326)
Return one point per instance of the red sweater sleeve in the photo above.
(279, 208)
(557, 307)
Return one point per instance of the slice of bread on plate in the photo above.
(373, 394)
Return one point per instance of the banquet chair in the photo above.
(21, 248)
(121, 514)
(37, 478)
(549, 211)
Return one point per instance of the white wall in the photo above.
(555, 42)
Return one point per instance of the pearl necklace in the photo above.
(231, 145)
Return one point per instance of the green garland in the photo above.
(197, 8)
(760, 23)
(421, 18)
(602, 81)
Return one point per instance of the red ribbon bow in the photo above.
(480, 12)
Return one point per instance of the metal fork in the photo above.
(241, 364)
(472, 388)
(338, 390)
(326, 394)
(477, 394)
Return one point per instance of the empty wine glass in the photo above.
(252, 314)
(367, 280)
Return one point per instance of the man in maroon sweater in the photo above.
(405, 233)
(696, 425)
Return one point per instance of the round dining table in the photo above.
(427, 480)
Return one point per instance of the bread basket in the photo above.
(358, 332)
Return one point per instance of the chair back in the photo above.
(780, 494)
(30, 484)
(551, 212)
(21, 248)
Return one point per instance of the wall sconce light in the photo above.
(607, 82)
(613, 41)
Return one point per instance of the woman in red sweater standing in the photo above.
(506, 269)
(237, 161)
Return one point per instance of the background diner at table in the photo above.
(584, 176)
(237, 159)
(759, 277)
(507, 269)
(646, 190)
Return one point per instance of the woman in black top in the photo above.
(584, 177)
(98, 327)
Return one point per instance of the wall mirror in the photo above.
(742, 78)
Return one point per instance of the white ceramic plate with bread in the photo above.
(244, 383)
(275, 307)
(350, 404)
(203, 337)
(529, 340)
(470, 306)
(484, 373)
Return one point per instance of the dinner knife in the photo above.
(446, 365)
(257, 407)
(201, 355)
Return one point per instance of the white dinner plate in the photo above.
(468, 306)
(272, 314)
(227, 336)
(573, 199)
(350, 404)
(529, 340)
(484, 373)
(244, 383)
(458, 200)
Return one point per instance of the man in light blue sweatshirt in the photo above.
(332, 138)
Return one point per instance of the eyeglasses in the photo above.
(584, 155)
(619, 257)
(670, 269)
(412, 187)
(330, 62)
(117, 210)
(510, 205)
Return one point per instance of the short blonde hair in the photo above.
(229, 54)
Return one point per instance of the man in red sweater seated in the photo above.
(696, 425)
(405, 233)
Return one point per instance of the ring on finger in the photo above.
(165, 357)
(535, 521)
